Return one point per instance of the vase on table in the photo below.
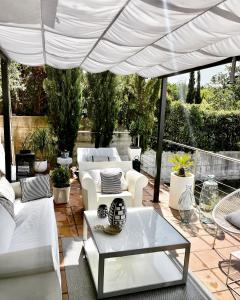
(117, 214)
(186, 205)
(208, 199)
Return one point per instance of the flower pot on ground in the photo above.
(42, 144)
(180, 178)
(61, 184)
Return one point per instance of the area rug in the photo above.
(81, 287)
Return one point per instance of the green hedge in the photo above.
(209, 130)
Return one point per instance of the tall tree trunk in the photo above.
(191, 89)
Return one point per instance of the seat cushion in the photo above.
(7, 227)
(7, 196)
(234, 218)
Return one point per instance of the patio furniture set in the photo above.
(29, 240)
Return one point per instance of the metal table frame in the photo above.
(100, 288)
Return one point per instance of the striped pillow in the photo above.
(111, 183)
(34, 188)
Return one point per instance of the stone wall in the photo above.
(205, 164)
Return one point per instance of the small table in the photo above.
(66, 162)
(137, 259)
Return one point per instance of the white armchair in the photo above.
(132, 196)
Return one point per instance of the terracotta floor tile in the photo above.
(224, 243)
(198, 244)
(225, 252)
(80, 230)
(65, 231)
(64, 282)
(221, 273)
(209, 257)
(60, 244)
(61, 261)
(64, 296)
(209, 279)
(225, 295)
(64, 219)
(235, 240)
(195, 264)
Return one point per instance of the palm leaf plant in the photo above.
(181, 164)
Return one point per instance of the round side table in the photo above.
(66, 162)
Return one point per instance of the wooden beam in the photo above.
(161, 121)
(6, 117)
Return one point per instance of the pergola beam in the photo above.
(6, 117)
(161, 121)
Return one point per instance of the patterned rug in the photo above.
(81, 286)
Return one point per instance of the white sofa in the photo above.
(92, 199)
(89, 154)
(29, 267)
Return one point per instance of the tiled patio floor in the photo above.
(207, 264)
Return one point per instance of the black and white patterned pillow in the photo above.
(34, 188)
(111, 183)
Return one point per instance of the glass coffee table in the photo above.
(141, 257)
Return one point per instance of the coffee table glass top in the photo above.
(144, 229)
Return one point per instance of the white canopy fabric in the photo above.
(148, 37)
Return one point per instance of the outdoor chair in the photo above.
(228, 204)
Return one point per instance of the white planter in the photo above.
(61, 195)
(40, 166)
(177, 187)
(134, 153)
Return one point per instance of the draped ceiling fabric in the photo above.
(148, 37)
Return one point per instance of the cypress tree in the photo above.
(198, 98)
(191, 89)
(63, 88)
(102, 106)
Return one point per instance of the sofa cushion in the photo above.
(234, 218)
(6, 189)
(111, 182)
(34, 188)
(7, 227)
(95, 174)
(7, 196)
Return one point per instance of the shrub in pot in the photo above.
(61, 184)
(43, 145)
(180, 177)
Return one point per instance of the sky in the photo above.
(206, 75)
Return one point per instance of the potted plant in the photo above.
(42, 145)
(61, 184)
(180, 177)
(134, 151)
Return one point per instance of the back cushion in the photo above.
(95, 174)
(34, 188)
(111, 182)
(6, 189)
(7, 227)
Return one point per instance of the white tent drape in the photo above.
(148, 37)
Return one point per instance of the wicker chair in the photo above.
(228, 204)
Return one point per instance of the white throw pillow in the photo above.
(6, 189)
(7, 227)
(95, 174)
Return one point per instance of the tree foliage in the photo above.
(64, 91)
(102, 106)
(198, 98)
(138, 108)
